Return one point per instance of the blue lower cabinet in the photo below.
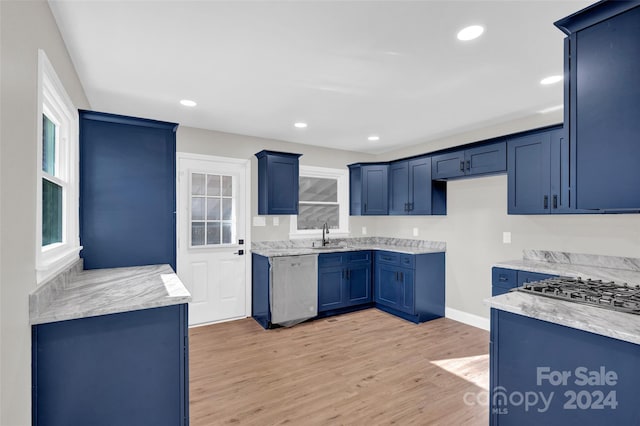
(260, 272)
(548, 374)
(128, 368)
(344, 280)
(504, 279)
(410, 286)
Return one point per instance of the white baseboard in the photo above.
(467, 318)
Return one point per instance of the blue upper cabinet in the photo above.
(538, 174)
(278, 180)
(603, 66)
(529, 176)
(411, 190)
(127, 191)
(369, 189)
(483, 159)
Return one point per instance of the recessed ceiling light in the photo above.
(300, 125)
(471, 32)
(373, 138)
(551, 79)
(188, 103)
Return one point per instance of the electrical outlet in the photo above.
(506, 237)
(259, 221)
(415, 232)
(364, 230)
(276, 221)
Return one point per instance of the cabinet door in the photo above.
(448, 165)
(330, 288)
(358, 284)
(387, 286)
(355, 190)
(406, 287)
(420, 187)
(283, 181)
(605, 89)
(484, 159)
(529, 174)
(560, 173)
(399, 188)
(375, 189)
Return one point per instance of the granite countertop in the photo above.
(615, 324)
(80, 294)
(303, 247)
(587, 266)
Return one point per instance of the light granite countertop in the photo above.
(305, 246)
(615, 324)
(80, 294)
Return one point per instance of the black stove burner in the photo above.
(608, 295)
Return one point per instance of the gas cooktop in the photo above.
(608, 295)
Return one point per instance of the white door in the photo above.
(212, 248)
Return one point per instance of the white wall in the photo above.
(221, 144)
(25, 27)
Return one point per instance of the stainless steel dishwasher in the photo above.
(294, 289)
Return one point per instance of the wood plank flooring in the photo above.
(362, 368)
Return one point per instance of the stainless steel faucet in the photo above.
(325, 231)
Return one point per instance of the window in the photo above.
(212, 209)
(57, 242)
(323, 198)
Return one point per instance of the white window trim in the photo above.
(55, 102)
(343, 200)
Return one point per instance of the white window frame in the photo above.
(342, 176)
(234, 212)
(54, 101)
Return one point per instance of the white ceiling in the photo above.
(348, 68)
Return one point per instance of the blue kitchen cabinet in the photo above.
(344, 280)
(129, 368)
(520, 346)
(127, 191)
(603, 69)
(504, 279)
(488, 158)
(368, 183)
(260, 292)
(411, 190)
(410, 286)
(278, 183)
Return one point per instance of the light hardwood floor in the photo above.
(362, 368)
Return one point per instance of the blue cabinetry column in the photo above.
(602, 108)
(127, 191)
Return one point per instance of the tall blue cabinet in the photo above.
(127, 191)
(603, 85)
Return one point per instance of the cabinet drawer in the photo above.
(330, 259)
(398, 259)
(359, 257)
(388, 258)
(504, 278)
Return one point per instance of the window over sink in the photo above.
(323, 198)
